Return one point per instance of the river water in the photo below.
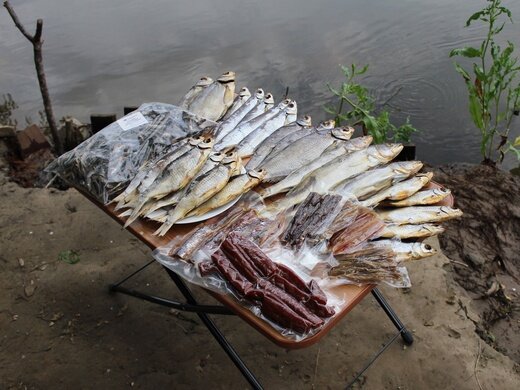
(102, 55)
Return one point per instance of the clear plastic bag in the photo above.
(105, 162)
(310, 260)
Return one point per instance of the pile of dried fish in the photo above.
(106, 162)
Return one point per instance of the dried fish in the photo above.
(258, 110)
(432, 196)
(368, 265)
(287, 115)
(242, 97)
(369, 183)
(244, 128)
(311, 217)
(234, 119)
(278, 138)
(203, 83)
(410, 231)
(236, 187)
(404, 251)
(213, 102)
(329, 175)
(302, 152)
(333, 151)
(364, 226)
(214, 159)
(175, 176)
(322, 128)
(419, 214)
(400, 190)
(200, 190)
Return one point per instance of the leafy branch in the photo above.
(493, 97)
(356, 106)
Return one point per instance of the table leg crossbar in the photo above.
(202, 311)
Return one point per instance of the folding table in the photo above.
(352, 296)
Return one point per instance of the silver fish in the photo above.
(213, 102)
(175, 177)
(302, 152)
(400, 190)
(268, 103)
(432, 196)
(200, 191)
(152, 169)
(291, 138)
(236, 187)
(411, 231)
(405, 251)
(247, 146)
(234, 119)
(242, 97)
(203, 83)
(244, 128)
(326, 124)
(369, 183)
(332, 152)
(341, 168)
(214, 159)
(283, 133)
(419, 214)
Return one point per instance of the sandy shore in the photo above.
(61, 329)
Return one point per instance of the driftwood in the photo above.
(37, 42)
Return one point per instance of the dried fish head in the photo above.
(259, 94)
(343, 133)
(284, 103)
(244, 92)
(384, 152)
(206, 143)
(420, 250)
(328, 124)
(442, 191)
(227, 77)
(358, 143)
(404, 169)
(204, 81)
(216, 156)
(291, 108)
(257, 173)
(306, 121)
(269, 99)
(194, 141)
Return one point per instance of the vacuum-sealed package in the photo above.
(108, 160)
(284, 264)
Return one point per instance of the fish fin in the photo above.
(118, 198)
(173, 216)
(135, 213)
(126, 213)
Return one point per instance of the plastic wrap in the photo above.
(105, 162)
(311, 259)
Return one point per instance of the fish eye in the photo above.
(427, 247)
(207, 140)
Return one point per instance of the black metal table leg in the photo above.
(405, 334)
(233, 355)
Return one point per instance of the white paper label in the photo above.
(132, 120)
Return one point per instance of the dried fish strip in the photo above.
(367, 266)
(310, 218)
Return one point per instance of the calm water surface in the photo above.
(101, 55)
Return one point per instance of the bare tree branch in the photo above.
(40, 72)
(39, 27)
(17, 22)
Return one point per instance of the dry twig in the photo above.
(37, 42)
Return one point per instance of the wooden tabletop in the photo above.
(350, 295)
